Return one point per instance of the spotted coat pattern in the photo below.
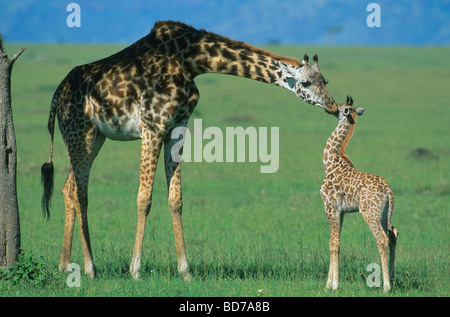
(144, 92)
(346, 189)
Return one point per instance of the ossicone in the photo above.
(349, 100)
(305, 61)
(316, 59)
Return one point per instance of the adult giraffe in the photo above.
(144, 92)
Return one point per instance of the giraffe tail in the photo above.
(392, 231)
(47, 170)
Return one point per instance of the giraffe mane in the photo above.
(344, 146)
(239, 44)
(233, 43)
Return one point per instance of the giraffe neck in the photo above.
(203, 52)
(334, 152)
(234, 58)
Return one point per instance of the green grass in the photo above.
(251, 234)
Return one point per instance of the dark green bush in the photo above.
(28, 269)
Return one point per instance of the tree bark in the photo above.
(9, 209)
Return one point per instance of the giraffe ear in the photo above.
(360, 111)
(288, 70)
(291, 82)
(290, 73)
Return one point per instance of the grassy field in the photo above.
(247, 233)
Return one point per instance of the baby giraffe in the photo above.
(345, 189)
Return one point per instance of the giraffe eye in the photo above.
(306, 84)
(346, 111)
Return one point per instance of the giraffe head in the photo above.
(348, 112)
(307, 82)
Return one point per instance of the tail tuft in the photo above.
(47, 181)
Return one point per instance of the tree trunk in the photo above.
(9, 210)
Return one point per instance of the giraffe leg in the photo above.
(382, 244)
(75, 193)
(374, 223)
(173, 176)
(335, 219)
(80, 203)
(76, 203)
(150, 148)
(393, 235)
(68, 224)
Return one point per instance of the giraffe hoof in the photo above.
(136, 275)
(63, 268)
(187, 277)
(91, 272)
(135, 268)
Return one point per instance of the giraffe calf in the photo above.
(345, 189)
